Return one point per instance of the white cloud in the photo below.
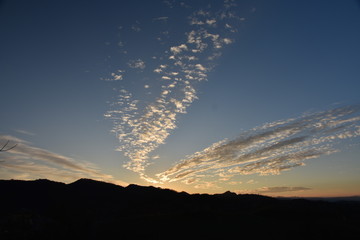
(178, 49)
(166, 78)
(203, 13)
(141, 126)
(117, 77)
(138, 63)
(161, 19)
(211, 21)
(273, 147)
(180, 107)
(227, 40)
(195, 21)
(200, 67)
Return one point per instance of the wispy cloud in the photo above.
(136, 26)
(161, 19)
(271, 190)
(24, 132)
(206, 185)
(40, 163)
(273, 147)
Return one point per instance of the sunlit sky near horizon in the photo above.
(198, 96)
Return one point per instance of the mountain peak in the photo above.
(84, 180)
(229, 193)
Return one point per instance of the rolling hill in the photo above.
(89, 209)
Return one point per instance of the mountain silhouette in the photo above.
(89, 209)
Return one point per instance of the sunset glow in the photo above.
(198, 96)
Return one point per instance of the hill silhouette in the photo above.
(88, 209)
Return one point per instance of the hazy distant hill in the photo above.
(88, 209)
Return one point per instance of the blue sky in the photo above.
(163, 80)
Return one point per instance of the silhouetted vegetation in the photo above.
(6, 148)
(88, 209)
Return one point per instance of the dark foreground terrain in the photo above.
(88, 209)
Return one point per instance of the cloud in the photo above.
(200, 67)
(235, 182)
(273, 147)
(142, 125)
(169, 3)
(161, 19)
(211, 21)
(227, 40)
(178, 49)
(190, 181)
(117, 77)
(195, 21)
(282, 189)
(24, 132)
(202, 18)
(206, 185)
(267, 190)
(39, 162)
(138, 63)
(136, 27)
(251, 181)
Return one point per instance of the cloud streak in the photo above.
(36, 162)
(271, 190)
(271, 148)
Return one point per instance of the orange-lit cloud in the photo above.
(26, 161)
(272, 190)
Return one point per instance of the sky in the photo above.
(199, 96)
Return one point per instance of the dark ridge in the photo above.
(89, 209)
(87, 181)
(149, 190)
(94, 186)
